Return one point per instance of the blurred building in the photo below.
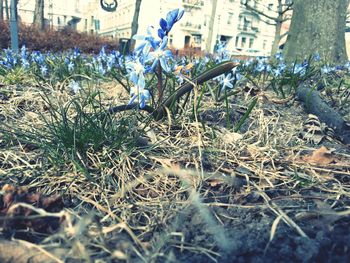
(81, 15)
(205, 23)
(57, 13)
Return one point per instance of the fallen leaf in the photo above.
(15, 251)
(231, 137)
(321, 156)
(215, 182)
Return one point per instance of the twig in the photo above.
(279, 211)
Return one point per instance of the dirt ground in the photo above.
(277, 191)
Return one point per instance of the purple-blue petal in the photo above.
(141, 81)
(180, 14)
(154, 64)
(154, 44)
(161, 33)
(163, 24)
(164, 43)
(168, 53)
(132, 99)
(163, 64)
(171, 16)
(133, 77)
(142, 103)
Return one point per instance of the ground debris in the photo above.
(16, 214)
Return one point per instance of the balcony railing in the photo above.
(249, 30)
(193, 3)
(190, 26)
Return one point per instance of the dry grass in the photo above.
(144, 202)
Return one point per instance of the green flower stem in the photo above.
(246, 115)
(160, 83)
(159, 113)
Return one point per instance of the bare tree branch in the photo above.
(284, 34)
(261, 13)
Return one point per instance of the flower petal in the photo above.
(163, 24)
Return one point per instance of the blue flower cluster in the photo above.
(61, 65)
(151, 54)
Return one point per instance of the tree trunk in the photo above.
(39, 14)
(7, 10)
(14, 26)
(277, 38)
(279, 22)
(318, 26)
(211, 27)
(1, 10)
(16, 9)
(135, 22)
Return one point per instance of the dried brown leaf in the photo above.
(321, 156)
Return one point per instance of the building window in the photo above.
(246, 24)
(97, 25)
(251, 42)
(230, 16)
(197, 39)
(264, 44)
(187, 41)
(58, 21)
(237, 40)
(85, 24)
(270, 6)
(244, 40)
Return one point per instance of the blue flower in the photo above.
(300, 69)
(70, 66)
(327, 69)
(101, 69)
(279, 56)
(142, 94)
(247, 63)
(74, 86)
(136, 72)
(347, 65)
(167, 24)
(24, 58)
(148, 41)
(102, 55)
(317, 57)
(180, 79)
(76, 53)
(9, 60)
(160, 55)
(220, 47)
(226, 82)
(37, 57)
(280, 69)
(262, 66)
(238, 76)
(43, 69)
(25, 63)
